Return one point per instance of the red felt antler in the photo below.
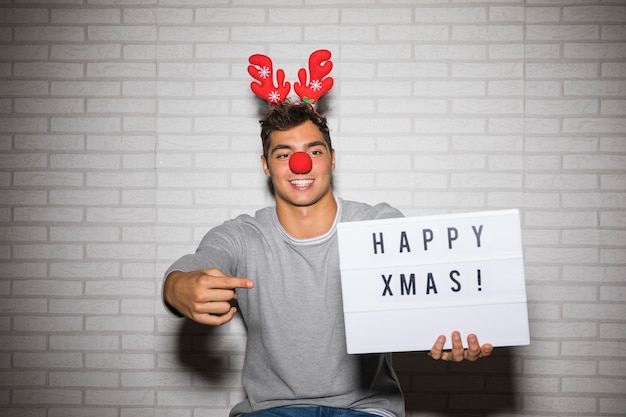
(319, 66)
(261, 69)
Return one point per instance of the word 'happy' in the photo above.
(427, 236)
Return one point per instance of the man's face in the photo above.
(300, 190)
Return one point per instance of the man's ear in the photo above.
(332, 159)
(266, 168)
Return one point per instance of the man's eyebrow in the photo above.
(280, 147)
(317, 143)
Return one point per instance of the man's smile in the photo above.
(301, 183)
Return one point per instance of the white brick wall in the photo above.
(127, 129)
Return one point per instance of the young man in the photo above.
(282, 266)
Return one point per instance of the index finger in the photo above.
(231, 283)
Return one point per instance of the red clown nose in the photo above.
(300, 163)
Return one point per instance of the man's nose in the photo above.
(300, 163)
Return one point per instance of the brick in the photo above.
(559, 404)
(385, 15)
(119, 179)
(507, 14)
(137, 306)
(603, 14)
(121, 142)
(47, 396)
(611, 367)
(82, 269)
(112, 287)
(84, 197)
(24, 15)
(121, 33)
(18, 344)
(125, 215)
(47, 251)
(85, 52)
(559, 218)
(612, 219)
(488, 33)
(48, 360)
(23, 125)
(563, 182)
(456, 88)
(594, 51)
(85, 16)
(122, 361)
(86, 125)
(542, 88)
(47, 178)
(22, 378)
(121, 69)
(81, 234)
(295, 16)
(613, 69)
(190, 398)
(158, 379)
(602, 385)
(591, 273)
(612, 405)
(49, 34)
(119, 397)
(82, 412)
(594, 311)
(592, 349)
(85, 88)
(125, 105)
(490, 106)
(22, 233)
(83, 306)
(43, 214)
(450, 15)
(588, 200)
(562, 32)
(25, 287)
(83, 379)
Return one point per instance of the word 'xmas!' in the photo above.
(427, 236)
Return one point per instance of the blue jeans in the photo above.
(307, 412)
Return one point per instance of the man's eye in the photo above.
(282, 156)
(316, 153)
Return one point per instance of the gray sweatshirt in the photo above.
(296, 350)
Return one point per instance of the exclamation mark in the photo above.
(479, 283)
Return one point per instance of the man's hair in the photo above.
(289, 114)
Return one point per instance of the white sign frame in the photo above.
(405, 281)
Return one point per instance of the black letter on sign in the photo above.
(378, 243)
(458, 284)
(478, 233)
(404, 242)
(430, 284)
(452, 235)
(408, 288)
(427, 234)
(387, 289)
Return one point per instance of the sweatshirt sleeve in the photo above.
(219, 248)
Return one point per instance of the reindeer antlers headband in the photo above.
(261, 69)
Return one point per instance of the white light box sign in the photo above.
(406, 281)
